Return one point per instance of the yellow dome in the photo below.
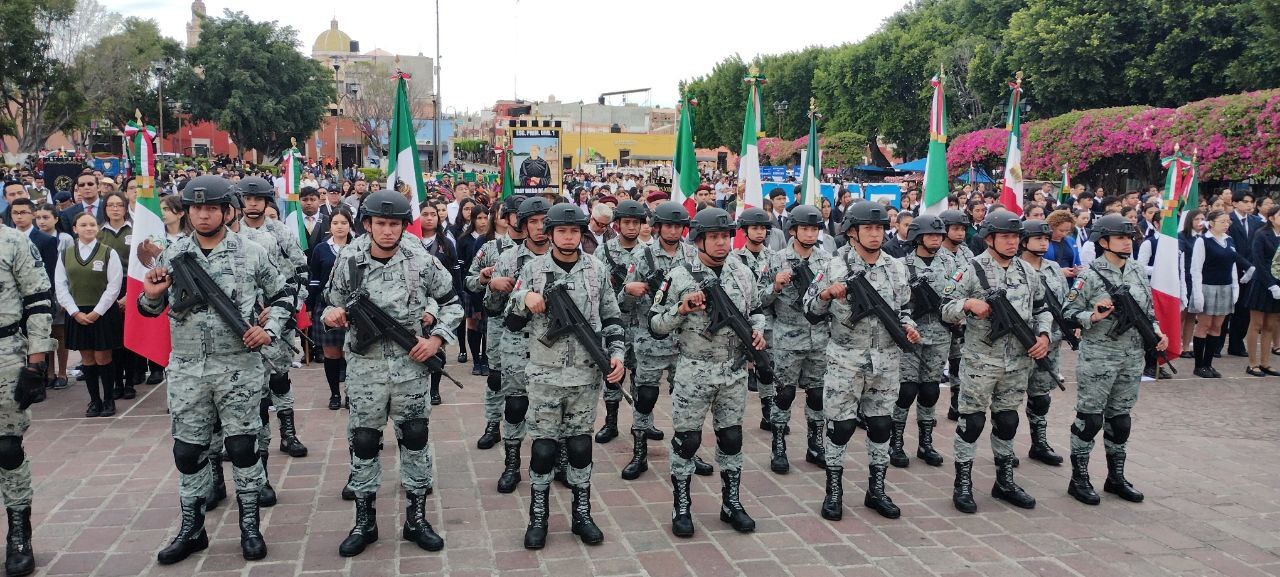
(332, 40)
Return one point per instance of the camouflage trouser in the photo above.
(279, 356)
(802, 369)
(494, 400)
(15, 483)
(702, 386)
(995, 383)
(557, 411)
(648, 373)
(853, 382)
(515, 356)
(1107, 384)
(205, 391)
(629, 361)
(930, 371)
(766, 391)
(1041, 383)
(372, 400)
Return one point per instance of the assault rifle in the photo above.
(1128, 315)
(372, 324)
(193, 287)
(617, 270)
(565, 318)
(804, 278)
(1065, 324)
(722, 312)
(864, 300)
(1005, 320)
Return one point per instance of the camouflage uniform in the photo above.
(758, 263)
(921, 373)
(653, 355)
(287, 256)
(1042, 383)
(609, 255)
(485, 258)
(384, 381)
(798, 345)
(513, 345)
(962, 255)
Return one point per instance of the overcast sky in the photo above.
(574, 49)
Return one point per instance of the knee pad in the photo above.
(812, 398)
(366, 442)
(729, 440)
(11, 453)
(579, 449)
(279, 383)
(414, 433)
(839, 432)
(516, 408)
(879, 429)
(242, 450)
(1004, 425)
(784, 397)
(185, 455)
(907, 392)
(495, 380)
(542, 457)
(973, 424)
(1038, 405)
(646, 399)
(927, 394)
(1092, 423)
(686, 443)
(1119, 433)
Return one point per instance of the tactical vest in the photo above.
(544, 276)
(87, 279)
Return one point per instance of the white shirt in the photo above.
(115, 276)
(1197, 272)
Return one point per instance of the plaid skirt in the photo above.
(1217, 299)
(323, 336)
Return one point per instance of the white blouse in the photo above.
(115, 276)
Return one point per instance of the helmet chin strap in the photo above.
(931, 251)
(537, 243)
(209, 234)
(1122, 255)
(566, 252)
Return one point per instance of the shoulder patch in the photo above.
(660, 297)
(956, 277)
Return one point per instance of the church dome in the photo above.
(332, 40)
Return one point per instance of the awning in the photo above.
(913, 166)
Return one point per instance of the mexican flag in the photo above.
(749, 155)
(684, 167)
(1166, 275)
(1191, 200)
(287, 190)
(402, 166)
(1011, 190)
(1064, 195)
(145, 336)
(811, 174)
(935, 164)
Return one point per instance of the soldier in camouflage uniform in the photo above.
(799, 340)
(957, 226)
(920, 374)
(214, 374)
(564, 381)
(1110, 368)
(414, 288)
(25, 321)
(862, 360)
(618, 255)
(655, 353)
(755, 224)
(994, 371)
(1035, 243)
(710, 374)
(477, 281)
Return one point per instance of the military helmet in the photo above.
(208, 189)
(1035, 227)
(511, 204)
(710, 219)
(630, 209)
(804, 215)
(754, 217)
(386, 204)
(925, 224)
(671, 212)
(529, 208)
(864, 212)
(564, 214)
(953, 216)
(1111, 225)
(1000, 220)
(255, 186)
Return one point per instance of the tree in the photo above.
(69, 37)
(370, 107)
(37, 97)
(249, 79)
(116, 75)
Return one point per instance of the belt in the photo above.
(10, 330)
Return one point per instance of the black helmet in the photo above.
(207, 189)
(754, 217)
(864, 212)
(804, 215)
(1035, 227)
(511, 204)
(236, 201)
(710, 219)
(630, 209)
(925, 224)
(671, 212)
(953, 216)
(1111, 225)
(530, 207)
(564, 214)
(255, 186)
(386, 204)
(1000, 220)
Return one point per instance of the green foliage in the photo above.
(471, 145)
(374, 176)
(117, 78)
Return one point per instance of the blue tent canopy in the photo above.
(916, 165)
(979, 175)
(871, 168)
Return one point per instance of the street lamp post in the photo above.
(435, 136)
(780, 108)
(160, 67)
(337, 114)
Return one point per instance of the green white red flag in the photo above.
(1064, 195)
(146, 336)
(1166, 273)
(402, 166)
(935, 164)
(810, 191)
(684, 167)
(287, 190)
(749, 153)
(1011, 190)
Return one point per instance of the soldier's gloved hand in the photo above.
(29, 389)
(535, 303)
(616, 372)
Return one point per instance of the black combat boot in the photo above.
(416, 528)
(926, 452)
(681, 518)
(962, 493)
(702, 468)
(897, 457)
(1079, 485)
(833, 503)
(510, 476)
(779, 463)
(610, 429)
(876, 498)
(347, 493)
(953, 413)
(217, 493)
(252, 546)
(1040, 449)
(19, 558)
(365, 531)
(639, 456)
(490, 437)
(435, 392)
(653, 434)
(816, 453)
(289, 443)
(1006, 490)
(731, 510)
(267, 494)
(190, 539)
(583, 525)
(535, 536)
(1116, 483)
(766, 409)
(562, 464)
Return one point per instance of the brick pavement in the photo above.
(1204, 452)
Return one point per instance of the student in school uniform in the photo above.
(321, 265)
(88, 280)
(117, 233)
(47, 221)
